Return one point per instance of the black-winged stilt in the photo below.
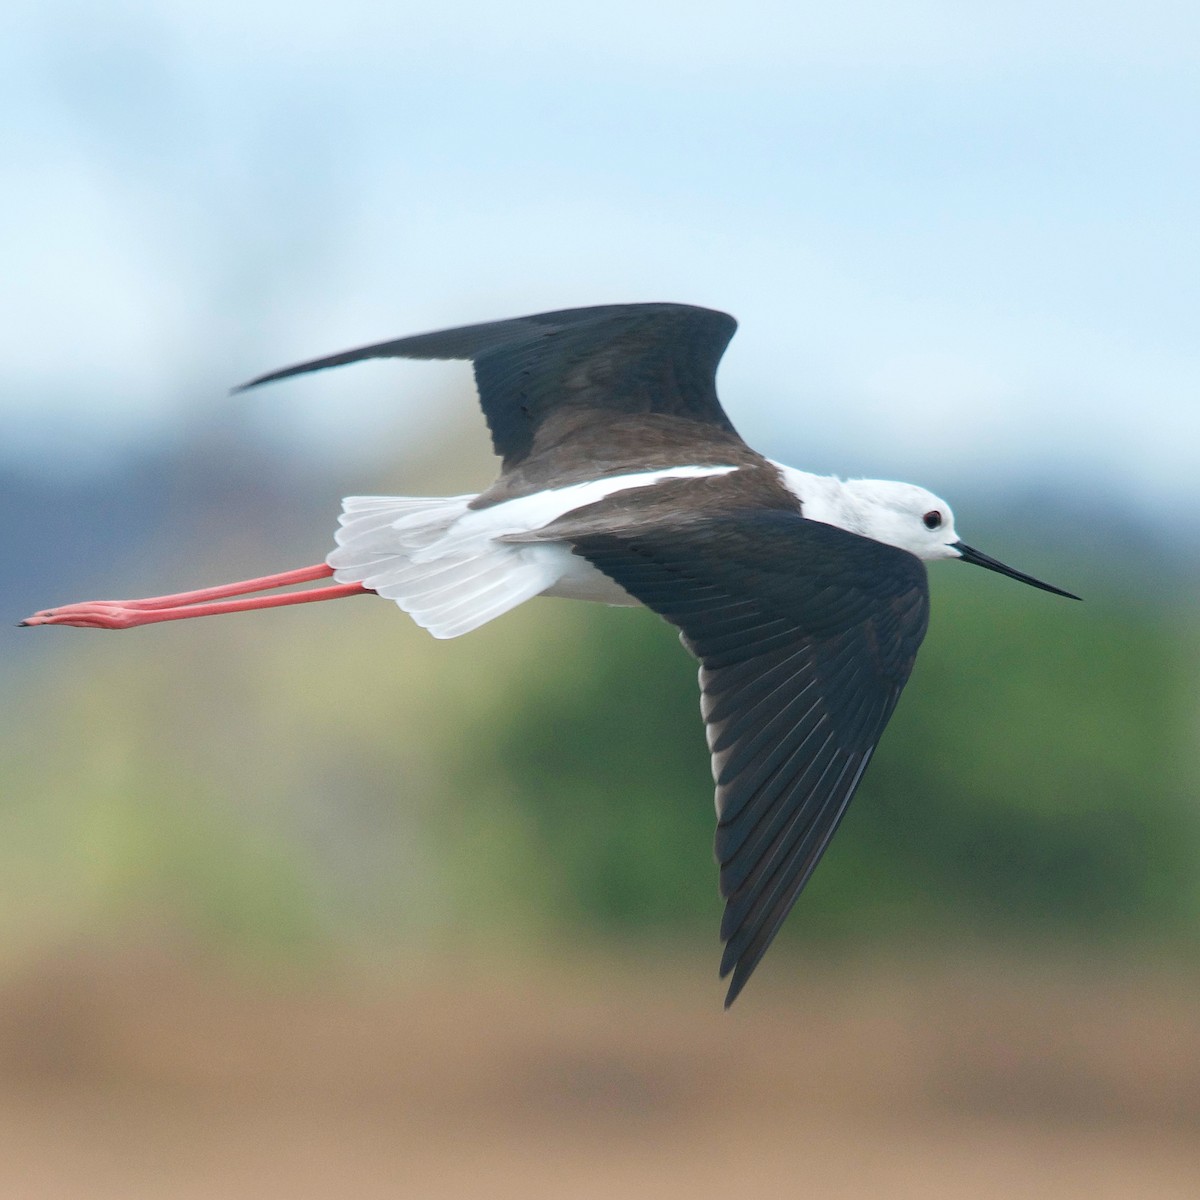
(803, 597)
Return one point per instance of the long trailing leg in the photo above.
(204, 602)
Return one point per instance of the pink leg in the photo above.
(205, 602)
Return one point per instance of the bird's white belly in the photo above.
(579, 580)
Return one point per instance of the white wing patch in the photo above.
(439, 559)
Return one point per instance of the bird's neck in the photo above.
(825, 498)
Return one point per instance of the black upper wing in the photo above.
(806, 635)
(619, 358)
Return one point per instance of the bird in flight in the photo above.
(803, 597)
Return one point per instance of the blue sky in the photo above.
(961, 239)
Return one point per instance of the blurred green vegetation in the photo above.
(1039, 777)
(331, 778)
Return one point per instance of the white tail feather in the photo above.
(449, 582)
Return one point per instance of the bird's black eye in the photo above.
(932, 519)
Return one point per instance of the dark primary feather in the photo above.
(614, 359)
(806, 635)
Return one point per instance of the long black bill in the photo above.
(971, 555)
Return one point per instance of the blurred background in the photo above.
(306, 903)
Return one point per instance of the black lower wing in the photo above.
(806, 635)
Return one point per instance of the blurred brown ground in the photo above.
(133, 1073)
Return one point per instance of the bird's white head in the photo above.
(898, 514)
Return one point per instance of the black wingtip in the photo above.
(253, 383)
(24, 625)
(741, 974)
(735, 988)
